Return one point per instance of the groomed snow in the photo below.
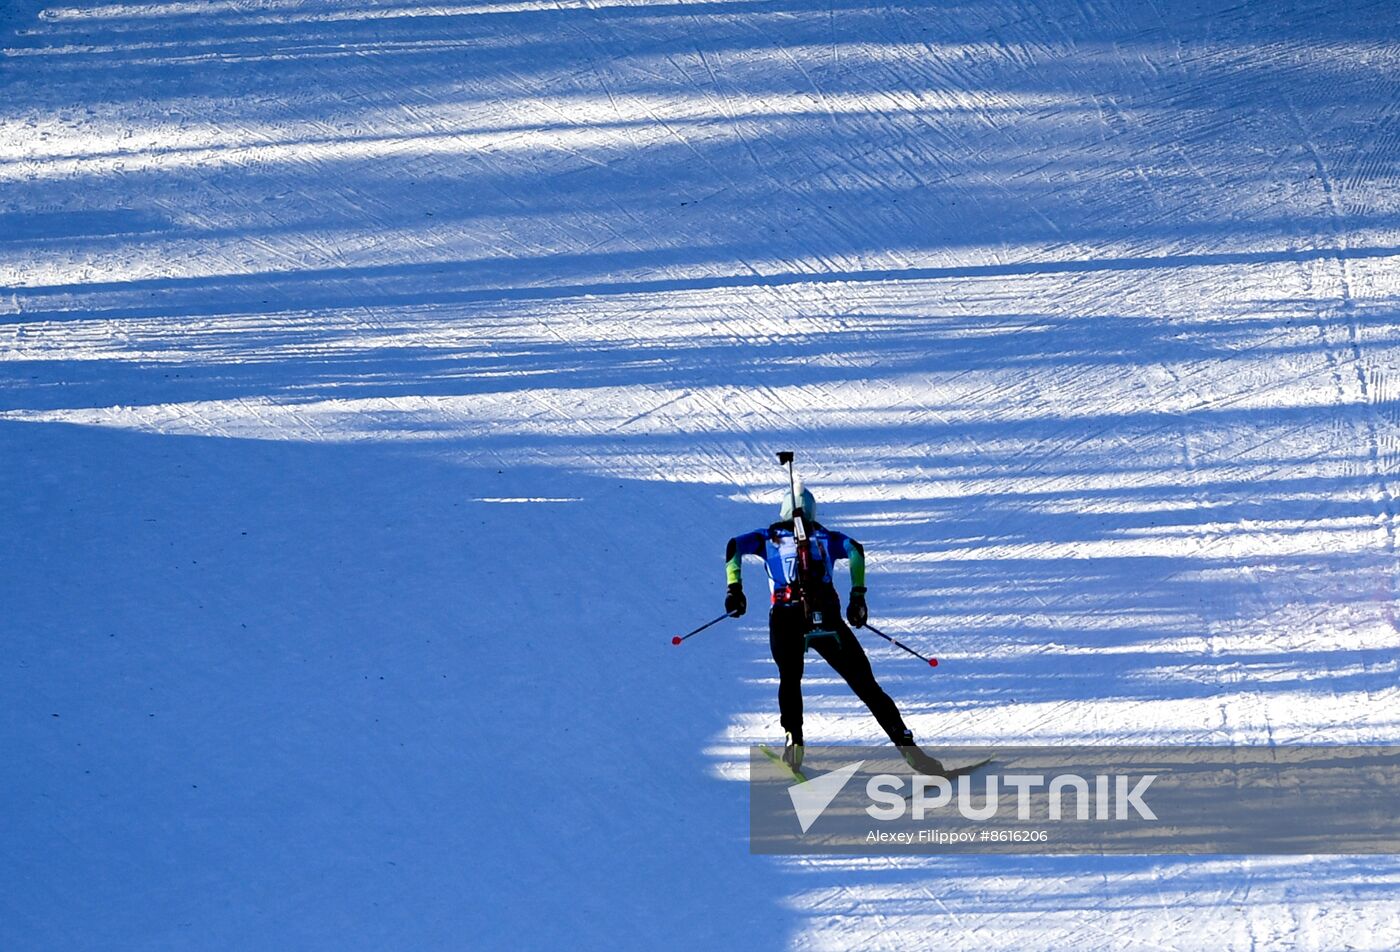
(380, 382)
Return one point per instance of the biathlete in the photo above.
(806, 613)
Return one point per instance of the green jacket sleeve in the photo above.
(856, 553)
(750, 543)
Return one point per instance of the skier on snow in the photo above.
(801, 619)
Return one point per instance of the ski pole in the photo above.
(932, 662)
(679, 638)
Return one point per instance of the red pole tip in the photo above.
(676, 640)
(933, 662)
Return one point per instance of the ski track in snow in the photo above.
(359, 360)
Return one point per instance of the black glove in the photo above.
(734, 601)
(855, 607)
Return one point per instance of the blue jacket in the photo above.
(777, 546)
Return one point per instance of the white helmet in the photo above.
(809, 503)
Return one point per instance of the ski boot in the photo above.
(915, 757)
(792, 751)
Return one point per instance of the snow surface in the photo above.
(380, 381)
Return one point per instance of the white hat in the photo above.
(809, 503)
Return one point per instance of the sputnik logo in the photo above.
(810, 799)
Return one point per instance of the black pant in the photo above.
(787, 631)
